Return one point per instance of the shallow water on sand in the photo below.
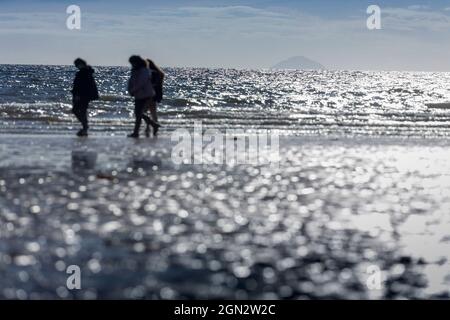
(140, 226)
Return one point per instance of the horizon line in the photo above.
(233, 68)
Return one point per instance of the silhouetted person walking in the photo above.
(84, 91)
(141, 88)
(157, 81)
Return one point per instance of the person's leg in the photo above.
(76, 110)
(139, 107)
(154, 123)
(84, 115)
(80, 111)
(149, 123)
(147, 119)
(153, 112)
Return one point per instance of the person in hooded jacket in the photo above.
(84, 91)
(141, 88)
(157, 82)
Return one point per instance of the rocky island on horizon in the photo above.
(299, 63)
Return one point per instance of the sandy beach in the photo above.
(140, 226)
(225, 159)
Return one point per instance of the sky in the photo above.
(414, 34)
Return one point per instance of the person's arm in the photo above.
(93, 89)
(131, 85)
(158, 86)
(134, 83)
(149, 81)
(76, 85)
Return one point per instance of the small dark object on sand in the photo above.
(105, 176)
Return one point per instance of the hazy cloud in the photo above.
(234, 36)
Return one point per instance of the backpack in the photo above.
(157, 83)
(94, 91)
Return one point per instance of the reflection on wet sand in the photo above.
(82, 160)
(140, 226)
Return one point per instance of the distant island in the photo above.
(299, 63)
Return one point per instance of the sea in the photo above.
(37, 99)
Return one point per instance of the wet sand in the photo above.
(140, 226)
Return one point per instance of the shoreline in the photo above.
(164, 136)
